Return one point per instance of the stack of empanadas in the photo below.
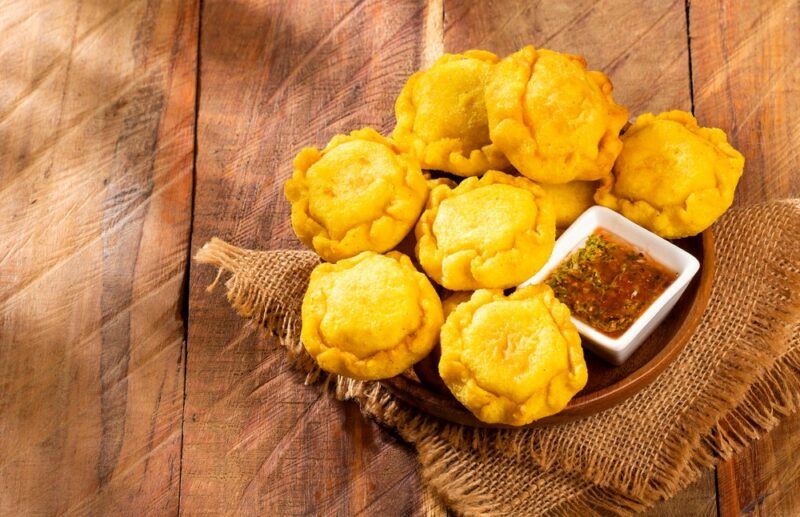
(538, 139)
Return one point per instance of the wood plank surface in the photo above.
(747, 79)
(763, 479)
(96, 145)
(97, 111)
(696, 500)
(651, 50)
(276, 76)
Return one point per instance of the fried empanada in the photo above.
(441, 115)
(512, 360)
(370, 316)
(455, 299)
(570, 200)
(359, 193)
(490, 232)
(673, 177)
(554, 120)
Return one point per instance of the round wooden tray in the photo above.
(608, 384)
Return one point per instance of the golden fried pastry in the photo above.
(441, 115)
(570, 200)
(359, 193)
(454, 300)
(370, 316)
(554, 120)
(433, 182)
(673, 177)
(490, 232)
(512, 360)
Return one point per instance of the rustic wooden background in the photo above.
(131, 131)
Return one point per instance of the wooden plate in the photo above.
(608, 384)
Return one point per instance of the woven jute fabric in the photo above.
(735, 379)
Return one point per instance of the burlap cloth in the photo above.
(737, 376)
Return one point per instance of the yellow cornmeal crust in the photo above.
(441, 115)
(435, 182)
(454, 300)
(554, 120)
(490, 232)
(673, 177)
(359, 193)
(370, 316)
(512, 359)
(570, 200)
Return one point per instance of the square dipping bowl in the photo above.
(617, 349)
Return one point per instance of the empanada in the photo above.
(359, 193)
(455, 299)
(570, 200)
(490, 232)
(554, 120)
(512, 360)
(673, 177)
(370, 316)
(441, 115)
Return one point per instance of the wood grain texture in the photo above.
(96, 133)
(763, 479)
(646, 57)
(696, 500)
(276, 76)
(746, 79)
(97, 102)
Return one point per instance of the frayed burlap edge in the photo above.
(727, 418)
(442, 468)
(249, 301)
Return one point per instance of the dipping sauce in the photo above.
(608, 283)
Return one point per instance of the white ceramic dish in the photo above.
(617, 350)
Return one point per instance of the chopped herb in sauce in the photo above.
(608, 283)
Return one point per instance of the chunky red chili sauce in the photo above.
(608, 283)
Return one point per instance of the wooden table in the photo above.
(131, 131)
